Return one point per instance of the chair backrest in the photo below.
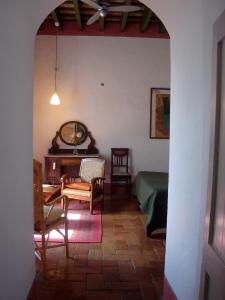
(90, 168)
(38, 199)
(119, 160)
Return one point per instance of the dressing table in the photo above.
(60, 161)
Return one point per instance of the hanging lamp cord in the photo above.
(56, 60)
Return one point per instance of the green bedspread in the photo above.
(147, 187)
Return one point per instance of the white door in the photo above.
(213, 268)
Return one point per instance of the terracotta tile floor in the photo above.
(125, 266)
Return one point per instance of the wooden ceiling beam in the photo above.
(162, 28)
(146, 20)
(110, 30)
(56, 19)
(77, 14)
(101, 24)
(124, 17)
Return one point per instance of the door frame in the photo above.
(208, 253)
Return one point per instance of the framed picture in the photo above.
(160, 113)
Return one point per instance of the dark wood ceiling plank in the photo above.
(162, 28)
(146, 20)
(111, 29)
(101, 24)
(124, 17)
(77, 14)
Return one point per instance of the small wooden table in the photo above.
(51, 191)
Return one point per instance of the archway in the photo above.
(190, 27)
(139, 55)
(175, 18)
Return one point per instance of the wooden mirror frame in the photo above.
(91, 149)
(78, 127)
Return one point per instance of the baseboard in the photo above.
(168, 293)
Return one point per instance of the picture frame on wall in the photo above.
(160, 113)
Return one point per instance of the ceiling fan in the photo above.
(102, 9)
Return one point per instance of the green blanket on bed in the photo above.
(146, 187)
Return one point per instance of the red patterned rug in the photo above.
(83, 227)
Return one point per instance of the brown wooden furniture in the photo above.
(89, 186)
(51, 191)
(57, 165)
(47, 217)
(119, 169)
(73, 133)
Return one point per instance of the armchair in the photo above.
(89, 186)
(47, 216)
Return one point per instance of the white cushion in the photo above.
(91, 168)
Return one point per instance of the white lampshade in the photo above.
(55, 100)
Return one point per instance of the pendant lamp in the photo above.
(55, 100)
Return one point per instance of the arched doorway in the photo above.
(190, 27)
(94, 59)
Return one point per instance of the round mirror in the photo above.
(73, 133)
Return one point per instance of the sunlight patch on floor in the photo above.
(73, 216)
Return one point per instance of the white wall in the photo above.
(16, 81)
(118, 113)
(191, 70)
(190, 79)
(191, 46)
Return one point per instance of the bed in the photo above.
(151, 190)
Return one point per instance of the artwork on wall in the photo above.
(160, 113)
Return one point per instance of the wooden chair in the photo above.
(89, 186)
(47, 217)
(120, 169)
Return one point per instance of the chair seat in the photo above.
(74, 192)
(55, 215)
(84, 186)
(120, 174)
